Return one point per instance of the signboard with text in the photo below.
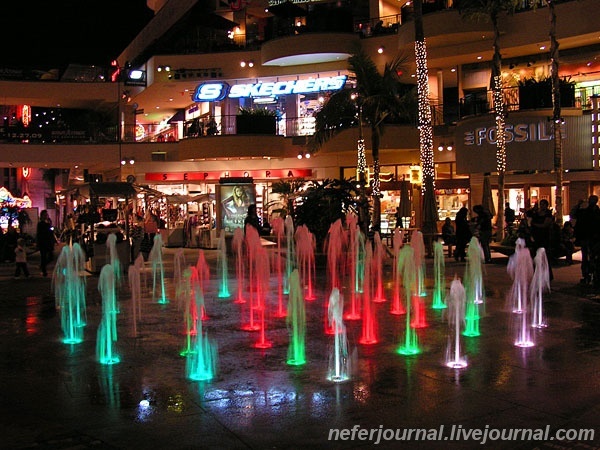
(529, 143)
(217, 175)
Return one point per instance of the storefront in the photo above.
(289, 101)
(529, 158)
(218, 199)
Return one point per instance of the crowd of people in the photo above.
(538, 228)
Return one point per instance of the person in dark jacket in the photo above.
(252, 219)
(541, 223)
(483, 225)
(463, 233)
(45, 240)
(587, 234)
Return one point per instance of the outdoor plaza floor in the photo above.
(58, 396)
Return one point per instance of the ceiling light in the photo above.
(380, 49)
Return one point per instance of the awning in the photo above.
(179, 116)
(175, 198)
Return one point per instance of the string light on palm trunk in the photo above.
(362, 160)
(425, 128)
(376, 181)
(500, 125)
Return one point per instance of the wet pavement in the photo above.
(58, 396)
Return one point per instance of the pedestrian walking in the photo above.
(21, 259)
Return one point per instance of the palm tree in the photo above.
(491, 10)
(430, 215)
(378, 98)
(556, 112)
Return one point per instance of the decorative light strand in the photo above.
(362, 160)
(376, 181)
(425, 127)
(500, 125)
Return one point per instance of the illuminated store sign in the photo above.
(215, 91)
(215, 176)
(529, 143)
(521, 132)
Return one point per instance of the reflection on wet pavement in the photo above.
(59, 396)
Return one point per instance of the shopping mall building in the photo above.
(166, 116)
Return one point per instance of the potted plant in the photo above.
(321, 204)
(256, 121)
(537, 93)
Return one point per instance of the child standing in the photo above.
(21, 259)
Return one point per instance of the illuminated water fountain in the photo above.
(279, 231)
(262, 288)
(418, 245)
(179, 266)
(418, 292)
(407, 267)
(439, 276)
(456, 314)
(305, 254)
(356, 249)
(339, 361)
(222, 267)
(290, 253)
(335, 246)
(106, 338)
(202, 276)
(69, 291)
(252, 306)
(540, 284)
(397, 242)
(158, 270)
(473, 288)
(237, 244)
(111, 244)
(520, 269)
(296, 322)
(378, 256)
(369, 317)
(201, 359)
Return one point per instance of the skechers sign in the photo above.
(211, 92)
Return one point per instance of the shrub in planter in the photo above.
(256, 121)
(538, 93)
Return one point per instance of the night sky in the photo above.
(52, 34)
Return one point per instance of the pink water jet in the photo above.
(539, 285)
(378, 257)
(456, 313)
(279, 231)
(335, 245)
(203, 276)
(355, 249)
(262, 288)
(305, 255)
(397, 243)
(520, 269)
(253, 246)
(418, 245)
(237, 244)
(369, 320)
